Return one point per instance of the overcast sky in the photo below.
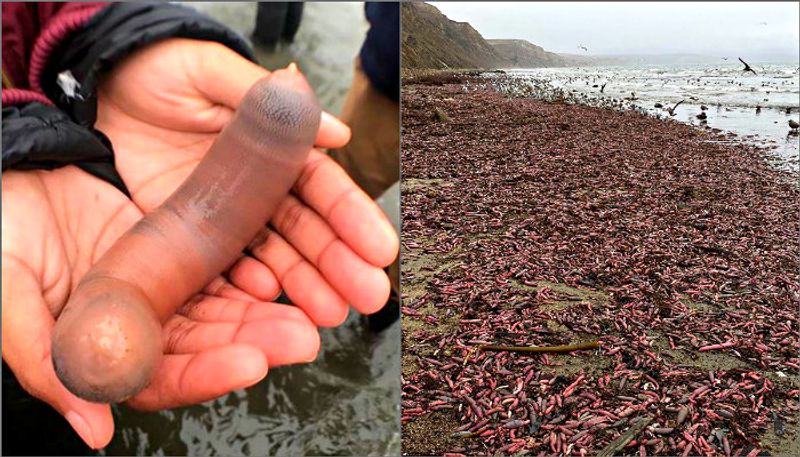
(724, 29)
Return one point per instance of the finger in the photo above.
(303, 284)
(220, 287)
(225, 77)
(255, 278)
(364, 286)
(27, 327)
(186, 379)
(283, 341)
(333, 133)
(325, 186)
(206, 308)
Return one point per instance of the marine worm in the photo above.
(107, 342)
(563, 348)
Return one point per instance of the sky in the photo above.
(758, 30)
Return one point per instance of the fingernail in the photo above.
(258, 371)
(79, 424)
(292, 67)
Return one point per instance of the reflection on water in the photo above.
(347, 402)
(731, 96)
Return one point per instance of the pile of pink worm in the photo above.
(694, 243)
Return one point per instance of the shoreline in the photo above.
(782, 145)
(783, 157)
(587, 223)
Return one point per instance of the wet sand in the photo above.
(536, 223)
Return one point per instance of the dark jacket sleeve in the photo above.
(39, 136)
(380, 53)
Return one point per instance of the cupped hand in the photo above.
(163, 107)
(55, 225)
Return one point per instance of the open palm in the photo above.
(163, 107)
(223, 339)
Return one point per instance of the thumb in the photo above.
(92, 421)
(27, 327)
(224, 77)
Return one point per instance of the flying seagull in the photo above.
(580, 46)
(671, 111)
(747, 67)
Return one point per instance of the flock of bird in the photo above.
(794, 126)
(597, 82)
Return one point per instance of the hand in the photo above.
(55, 226)
(163, 107)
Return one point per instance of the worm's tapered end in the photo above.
(292, 78)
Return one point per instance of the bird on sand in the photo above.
(747, 67)
(671, 111)
(794, 125)
(702, 116)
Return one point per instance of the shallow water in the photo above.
(347, 401)
(730, 95)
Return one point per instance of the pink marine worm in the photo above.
(107, 342)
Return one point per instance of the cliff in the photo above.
(523, 54)
(431, 40)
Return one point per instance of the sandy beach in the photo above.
(533, 223)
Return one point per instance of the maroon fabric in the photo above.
(23, 37)
(22, 96)
(66, 22)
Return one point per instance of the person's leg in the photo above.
(372, 158)
(293, 17)
(270, 22)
